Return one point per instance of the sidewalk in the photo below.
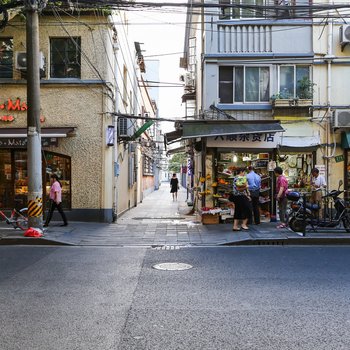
(159, 221)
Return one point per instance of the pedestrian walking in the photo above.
(241, 200)
(254, 185)
(174, 186)
(55, 200)
(281, 190)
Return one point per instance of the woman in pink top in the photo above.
(55, 201)
(281, 189)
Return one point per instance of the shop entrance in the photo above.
(14, 177)
(227, 164)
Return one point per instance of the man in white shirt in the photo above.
(318, 182)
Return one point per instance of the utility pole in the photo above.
(35, 187)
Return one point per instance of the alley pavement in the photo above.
(160, 222)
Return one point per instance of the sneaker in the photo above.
(65, 224)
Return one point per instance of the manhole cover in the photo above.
(172, 266)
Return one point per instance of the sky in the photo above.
(162, 34)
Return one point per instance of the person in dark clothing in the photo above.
(174, 186)
(55, 201)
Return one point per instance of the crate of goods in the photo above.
(210, 219)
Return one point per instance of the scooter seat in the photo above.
(313, 206)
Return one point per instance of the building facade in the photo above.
(252, 63)
(89, 75)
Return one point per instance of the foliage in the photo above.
(176, 161)
(305, 88)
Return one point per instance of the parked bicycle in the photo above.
(303, 214)
(18, 218)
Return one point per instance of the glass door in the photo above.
(6, 180)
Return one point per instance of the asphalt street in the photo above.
(266, 297)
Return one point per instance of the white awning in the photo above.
(299, 141)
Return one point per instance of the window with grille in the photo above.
(65, 57)
(148, 166)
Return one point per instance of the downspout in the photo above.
(115, 123)
(329, 59)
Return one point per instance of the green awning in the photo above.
(143, 128)
(218, 128)
(345, 140)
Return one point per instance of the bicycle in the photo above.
(18, 218)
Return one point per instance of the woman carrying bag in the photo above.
(241, 198)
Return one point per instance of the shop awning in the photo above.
(301, 142)
(345, 140)
(143, 128)
(173, 136)
(176, 150)
(233, 127)
(45, 132)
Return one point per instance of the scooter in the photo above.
(303, 214)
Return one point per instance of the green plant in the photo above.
(305, 88)
(281, 95)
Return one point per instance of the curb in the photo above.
(291, 241)
(32, 241)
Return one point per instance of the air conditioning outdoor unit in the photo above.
(345, 34)
(125, 128)
(189, 81)
(21, 60)
(342, 118)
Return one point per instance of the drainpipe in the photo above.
(329, 59)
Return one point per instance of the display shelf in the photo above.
(265, 178)
(265, 189)
(264, 201)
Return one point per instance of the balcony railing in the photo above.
(244, 39)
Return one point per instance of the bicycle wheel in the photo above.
(22, 219)
(346, 222)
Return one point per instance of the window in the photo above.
(65, 57)
(294, 81)
(147, 166)
(6, 57)
(244, 84)
(243, 9)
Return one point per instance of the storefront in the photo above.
(14, 167)
(221, 147)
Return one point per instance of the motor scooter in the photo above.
(303, 214)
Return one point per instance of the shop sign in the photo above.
(339, 158)
(256, 140)
(13, 106)
(13, 142)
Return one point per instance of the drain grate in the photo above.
(172, 266)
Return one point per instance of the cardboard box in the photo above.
(210, 219)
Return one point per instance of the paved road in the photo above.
(233, 298)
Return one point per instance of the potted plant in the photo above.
(305, 91)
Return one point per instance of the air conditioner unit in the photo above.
(342, 118)
(21, 60)
(189, 81)
(125, 128)
(345, 34)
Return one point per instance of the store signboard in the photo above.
(18, 142)
(266, 140)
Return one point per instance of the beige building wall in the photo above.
(332, 89)
(83, 104)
